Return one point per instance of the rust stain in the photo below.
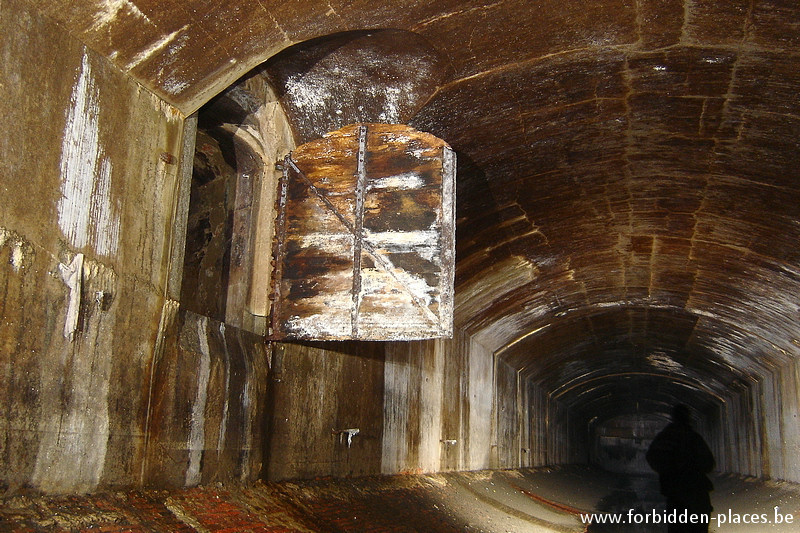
(364, 245)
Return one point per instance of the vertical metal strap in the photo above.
(279, 250)
(358, 230)
(447, 242)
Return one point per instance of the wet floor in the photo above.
(567, 497)
(528, 500)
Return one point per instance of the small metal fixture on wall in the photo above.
(365, 237)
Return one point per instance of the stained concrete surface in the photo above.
(627, 223)
(527, 500)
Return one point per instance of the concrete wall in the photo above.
(207, 411)
(88, 165)
(319, 392)
(142, 391)
(756, 432)
(422, 406)
(785, 441)
(135, 391)
(106, 380)
(509, 415)
(412, 407)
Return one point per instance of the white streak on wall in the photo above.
(171, 79)
(196, 441)
(106, 229)
(224, 424)
(79, 153)
(391, 106)
(480, 399)
(17, 257)
(247, 403)
(394, 454)
(662, 361)
(85, 213)
(75, 385)
(110, 9)
(339, 243)
(431, 385)
(153, 48)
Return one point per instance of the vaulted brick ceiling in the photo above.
(628, 187)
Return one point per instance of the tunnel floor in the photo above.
(528, 500)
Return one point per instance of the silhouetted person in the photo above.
(682, 459)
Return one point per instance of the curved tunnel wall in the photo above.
(627, 237)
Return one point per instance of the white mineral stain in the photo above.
(106, 228)
(223, 430)
(85, 212)
(407, 180)
(662, 361)
(154, 48)
(196, 440)
(109, 10)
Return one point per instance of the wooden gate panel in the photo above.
(365, 237)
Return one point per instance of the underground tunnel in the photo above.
(610, 228)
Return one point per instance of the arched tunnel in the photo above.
(627, 221)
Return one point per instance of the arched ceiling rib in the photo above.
(628, 171)
(612, 395)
